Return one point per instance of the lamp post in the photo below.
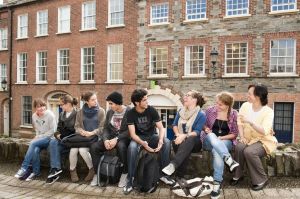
(4, 84)
(213, 57)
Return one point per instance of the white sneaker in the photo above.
(122, 181)
(231, 163)
(94, 182)
(21, 172)
(169, 170)
(31, 177)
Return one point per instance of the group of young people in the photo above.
(219, 129)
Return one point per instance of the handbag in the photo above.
(77, 141)
(109, 169)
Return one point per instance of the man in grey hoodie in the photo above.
(44, 123)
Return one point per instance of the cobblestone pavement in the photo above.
(11, 187)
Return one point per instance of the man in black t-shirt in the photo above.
(142, 122)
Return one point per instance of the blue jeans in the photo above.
(134, 149)
(55, 149)
(33, 154)
(219, 149)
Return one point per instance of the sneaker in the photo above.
(52, 180)
(54, 172)
(231, 163)
(128, 188)
(94, 182)
(216, 192)
(31, 177)
(169, 170)
(167, 180)
(122, 181)
(21, 172)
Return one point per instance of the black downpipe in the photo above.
(10, 12)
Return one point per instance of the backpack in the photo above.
(147, 174)
(109, 169)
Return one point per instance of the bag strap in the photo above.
(183, 185)
(98, 171)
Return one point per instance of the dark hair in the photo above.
(68, 99)
(138, 95)
(87, 95)
(39, 102)
(200, 99)
(260, 91)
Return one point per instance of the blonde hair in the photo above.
(227, 99)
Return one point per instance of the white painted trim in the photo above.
(232, 16)
(109, 17)
(59, 19)
(58, 80)
(19, 31)
(38, 23)
(193, 20)
(185, 60)
(284, 12)
(225, 64)
(155, 4)
(82, 15)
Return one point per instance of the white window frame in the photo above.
(150, 62)
(60, 20)
(197, 19)
(3, 74)
(159, 23)
(23, 110)
(40, 23)
(82, 65)
(38, 67)
(59, 65)
(3, 38)
(187, 59)
(119, 11)
(24, 34)
(237, 15)
(246, 65)
(110, 62)
(83, 24)
(18, 68)
(294, 60)
(280, 11)
(1, 2)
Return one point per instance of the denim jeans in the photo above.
(55, 149)
(33, 154)
(134, 149)
(219, 149)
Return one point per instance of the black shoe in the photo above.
(52, 180)
(259, 187)
(234, 182)
(128, 188)
(54, 172)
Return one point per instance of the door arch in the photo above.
(53, 103)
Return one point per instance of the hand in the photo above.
(243, 140)
(83, 133)
(179, 139)
(107, 144)
(159, 145)
(58, 136)
(220, 137)
(147, 147)
(207, 130)
(113, 143)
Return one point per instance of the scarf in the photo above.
(90, 117)
(187, 118)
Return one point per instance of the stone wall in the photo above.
(284, 162)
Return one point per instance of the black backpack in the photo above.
(109, 170)
(147, 174)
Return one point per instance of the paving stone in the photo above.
(230, 193)
(271, 192)
(109, 191)
(296, 191)
(7, 179)
(72, 186)
(119, 192)
(285, 192)
(164, 192)
(80, 188)
(89, 190)
(257, 194)
(243, 193)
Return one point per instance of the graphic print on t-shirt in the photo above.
(143, 124)
(117, 122)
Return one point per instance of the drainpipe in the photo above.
(10, 46)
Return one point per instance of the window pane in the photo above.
(159, 13)
(239, 7)
(236, 58)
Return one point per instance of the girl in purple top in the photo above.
(219, 135)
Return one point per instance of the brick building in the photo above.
(67, 47)
(166, 46)
(257, 42)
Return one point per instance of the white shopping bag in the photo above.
(195, 187)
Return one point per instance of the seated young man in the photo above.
(142, 121)
(115, 135)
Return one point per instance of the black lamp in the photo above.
(4, 84)
(213, 57)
